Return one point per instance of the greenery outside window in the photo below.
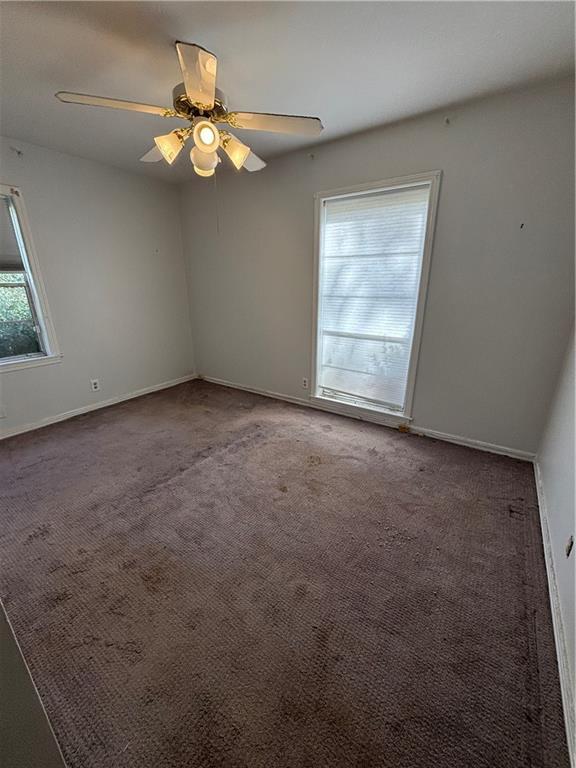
(19, 331)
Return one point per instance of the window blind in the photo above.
(371, 253)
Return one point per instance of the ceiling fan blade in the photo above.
(199, 72)
(102, 101)
(152, 156)
(260, 121)
(254, 163)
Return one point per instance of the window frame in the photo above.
(379, 414)
(35, 289)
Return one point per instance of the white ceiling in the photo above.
(354, 64)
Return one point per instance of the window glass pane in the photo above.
(367, 368)
(371, 261)
(9, 252)
(18, 334)
(19, 330)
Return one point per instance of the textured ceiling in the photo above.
(354, 64)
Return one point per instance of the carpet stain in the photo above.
(42, 532)
(153, 578)
(53, 599)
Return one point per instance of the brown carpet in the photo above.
(204, 577)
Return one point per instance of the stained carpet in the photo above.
(203, 577)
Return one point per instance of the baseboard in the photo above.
(255, 390)
(373, 416)
(480, 445)
(557, 621)
(5, 433)
(362, 414)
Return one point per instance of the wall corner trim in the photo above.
(566, 684)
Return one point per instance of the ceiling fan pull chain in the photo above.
(217, 207)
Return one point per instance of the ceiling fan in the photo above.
(203, 106)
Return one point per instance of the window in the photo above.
(25, 335)
(374, 252)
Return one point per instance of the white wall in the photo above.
(555, 473)
(499, 305)
(110, 251)
(500, 299)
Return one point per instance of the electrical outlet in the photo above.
(304, 383)
(569, 546)
(95, 385)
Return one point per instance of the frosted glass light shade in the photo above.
(236, 151)
(205, 161)
(200, 172)
(206, 136)
(170, 146)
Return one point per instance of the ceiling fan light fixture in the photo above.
(204, 161)
(170, 146)
(206, 136)
(200, 172)
(202, 105)
(236, 150)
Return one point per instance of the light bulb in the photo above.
(205, 161)
(206, 136)
(236, 151)
(170, 146)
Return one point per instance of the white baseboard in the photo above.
(255, 390)
(566, 682)
(362, 414)
(503, 450)
(94, 406)
(387, 420)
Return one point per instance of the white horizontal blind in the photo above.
(371, 253)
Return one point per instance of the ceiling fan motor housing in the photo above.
(186, 109)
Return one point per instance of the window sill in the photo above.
(19, 363)
(377, 415)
